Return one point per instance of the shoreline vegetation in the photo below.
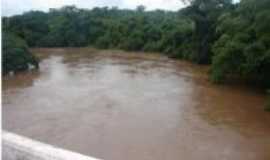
(234, 39)
(16, 55)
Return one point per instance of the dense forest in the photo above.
(233, 38)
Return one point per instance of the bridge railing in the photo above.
(16, 147)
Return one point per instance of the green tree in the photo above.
(243, 48)
(15, 54)
(205, 13)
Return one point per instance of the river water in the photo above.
(133, 106)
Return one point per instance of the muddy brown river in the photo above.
(115, 105)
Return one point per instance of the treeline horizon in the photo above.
(233, 38)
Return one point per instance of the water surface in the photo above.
(128, 106)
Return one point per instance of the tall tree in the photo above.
(205, 13)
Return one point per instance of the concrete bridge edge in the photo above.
(16, 147)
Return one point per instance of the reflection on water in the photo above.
(134, 106)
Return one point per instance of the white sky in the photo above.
(11, 7)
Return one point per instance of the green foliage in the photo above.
(235, 39)
(227, 61)
(243, 48)
(205, 13)
(31, 26)
(15, 54)
(138, 30)
(103, 42)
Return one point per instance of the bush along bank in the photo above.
(15, 54)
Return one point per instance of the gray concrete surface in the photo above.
(16, 147)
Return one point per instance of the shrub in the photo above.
(16, 56)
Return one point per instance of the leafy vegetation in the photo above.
(138, 30)
(243, 48)
(16, 56)
(204, 14)
(233, 38)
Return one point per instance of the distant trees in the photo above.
(138, 29)
(32, 26)
(233, 38)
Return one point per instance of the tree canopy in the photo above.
(15, 54)
(243, 47)
(233, 38)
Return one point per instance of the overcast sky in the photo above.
(11, 7)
